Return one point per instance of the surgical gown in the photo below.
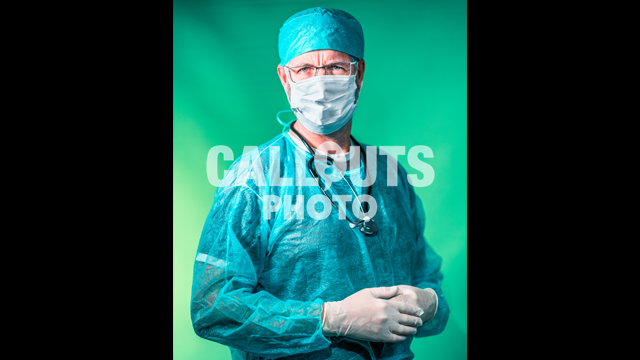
(264, 266)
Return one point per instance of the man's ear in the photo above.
(282, 74)
(359, 78)
(360, 72)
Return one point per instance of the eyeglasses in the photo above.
(344, 68)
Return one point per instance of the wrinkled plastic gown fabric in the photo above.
(259, 283)
(317, 29)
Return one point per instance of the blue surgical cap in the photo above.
(320, 29)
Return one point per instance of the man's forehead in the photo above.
(319, 56)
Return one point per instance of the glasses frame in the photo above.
(320, 67)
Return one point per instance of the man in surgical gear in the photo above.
(286, 267)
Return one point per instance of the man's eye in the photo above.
(336, 67)
(304, 69)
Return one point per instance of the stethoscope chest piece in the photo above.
(369, 227)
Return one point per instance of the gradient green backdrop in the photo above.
(226, 92)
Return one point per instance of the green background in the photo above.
(226, 92)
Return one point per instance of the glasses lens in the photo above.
(302, 72)
(341, 68)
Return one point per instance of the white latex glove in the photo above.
(425, 299)
(366, 315)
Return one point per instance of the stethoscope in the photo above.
(367, 225)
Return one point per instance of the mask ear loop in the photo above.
(284, 125)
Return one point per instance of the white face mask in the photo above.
(324, 104)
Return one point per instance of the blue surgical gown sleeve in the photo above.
(426, 272)
(225, 306)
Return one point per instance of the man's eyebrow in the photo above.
(328, 62)
(303, 64)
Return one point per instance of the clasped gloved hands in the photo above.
(367, 315)
(425, 299)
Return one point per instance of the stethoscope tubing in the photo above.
(314, 174)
